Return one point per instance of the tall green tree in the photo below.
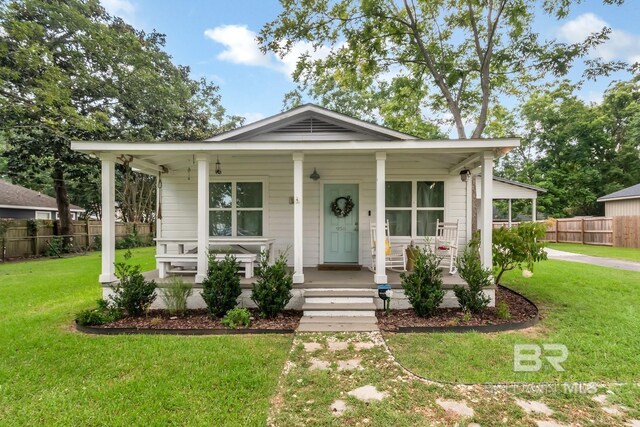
(578, 151)
(453, 58)
(70, 71)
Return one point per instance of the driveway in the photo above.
(586, 259)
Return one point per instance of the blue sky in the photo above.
(215, 38)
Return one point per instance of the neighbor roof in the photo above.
(18, 197)
(632, 192)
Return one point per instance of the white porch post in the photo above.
(203, 217)
(381, 271)
(509, 220)
(487, 209)
(108, 219)
(534, 209)
(298, 218)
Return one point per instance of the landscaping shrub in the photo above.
(502, 310)
(237, 317)
(175, 296)
(102, 314)
(472, 297)
(131, 240)
(272, 290)
(423, 286)
(513, 247)
(221, 287)
(54, 247)
(132, 294)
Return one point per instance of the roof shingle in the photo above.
(18, 196)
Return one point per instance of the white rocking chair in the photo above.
(395, 255)
(446, 243)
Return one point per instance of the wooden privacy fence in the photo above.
(26, 238)
(618, 231)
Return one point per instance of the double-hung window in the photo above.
(413, 207)
(236, 208)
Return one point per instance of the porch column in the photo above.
(487, 209)
(381, 270)
(534, 209)
(108, 219)
(203, 217)
(298, 218)
(509, 220)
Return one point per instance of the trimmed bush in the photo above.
(471, 297)
(237, 317)
(175, 296)
(221, 287)
(272, 290)
(133, 294)
(423, 286)
(104, 313)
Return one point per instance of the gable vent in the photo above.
(311, 125)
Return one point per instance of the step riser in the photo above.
(336, 328)
(338, 300)
(354, 319)
(339, 313)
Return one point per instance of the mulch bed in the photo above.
(199, 319)
(520, 308)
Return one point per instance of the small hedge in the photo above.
(221, 287)
(423, 286)
(272, 290)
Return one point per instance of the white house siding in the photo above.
(622, 207)
(179, 194)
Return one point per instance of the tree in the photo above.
(68, 70)
(578, 151)
(452, 57)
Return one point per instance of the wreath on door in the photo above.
(342, 210)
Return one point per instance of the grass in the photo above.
(305, 396)
(52, 375)
(594, 311)
(626, 254)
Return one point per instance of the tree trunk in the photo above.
(62, 200)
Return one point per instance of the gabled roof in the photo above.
(632, 192)
(18, 197)
(519, 184)
(311, 122)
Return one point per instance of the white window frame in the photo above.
(234, 209)
(46, 213)
(414, 204)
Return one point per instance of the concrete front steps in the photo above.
(335, 310)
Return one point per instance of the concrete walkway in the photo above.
(594, 260)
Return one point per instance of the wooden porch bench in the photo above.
(165, 262)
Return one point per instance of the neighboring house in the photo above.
(625, 202)
(272, 184)
(18, 202)
(509, 190)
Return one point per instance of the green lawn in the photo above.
(628, 254)
(594, 311)
(52, 375)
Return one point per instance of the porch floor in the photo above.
(314, 278)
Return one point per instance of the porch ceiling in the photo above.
(154, 157)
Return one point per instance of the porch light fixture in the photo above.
(314, 175)
(465, 174)
(218, 166)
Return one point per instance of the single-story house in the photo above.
(625, 202)
(17, 202)
(282, 183)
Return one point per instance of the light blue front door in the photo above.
(340, 233)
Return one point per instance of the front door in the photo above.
(341, 223)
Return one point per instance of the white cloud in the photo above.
(621, 44)
(251, 117)
(241, 47)
(122, 8)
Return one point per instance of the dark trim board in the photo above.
(94, 330)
